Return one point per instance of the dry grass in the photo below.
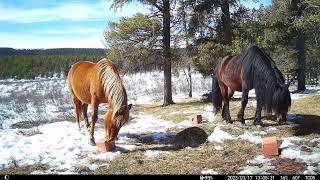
(308, 120)
(176, 112)
(184, 161)
(309, 105)
(24, 170)
(234, 154)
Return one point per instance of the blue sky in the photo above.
(33, 24)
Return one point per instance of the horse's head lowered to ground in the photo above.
(253, 69)
(95, 83)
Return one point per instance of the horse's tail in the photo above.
(216, 95)
(76, 102)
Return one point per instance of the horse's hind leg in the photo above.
(77, 107)
(85, 115)
(225, 109)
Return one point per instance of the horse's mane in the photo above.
(277, 72)
(255, 56)
(264, 73)
(112, 84)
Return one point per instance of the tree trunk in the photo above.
(166, 54)
(300, 47)
(190, 81)
(184, 21)
(225, 20)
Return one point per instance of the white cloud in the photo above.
(68, 11)
(22, 41)
(69, 31)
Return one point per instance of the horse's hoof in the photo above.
(242, 121)
(91, 142)
(283, 123)
(257, 123)
(229, 122)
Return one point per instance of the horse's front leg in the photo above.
(257, 118)
(94, 118)
(244, 102)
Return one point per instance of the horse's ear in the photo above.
(129, 106)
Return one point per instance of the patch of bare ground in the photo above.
(287, 166)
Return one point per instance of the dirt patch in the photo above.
(287, 166)
(32, 124)
(26, 124)
(306, 124)
(30, 132)
(190, 137)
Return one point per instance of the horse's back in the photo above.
(84, 81)
(81, 71)
(230, 72)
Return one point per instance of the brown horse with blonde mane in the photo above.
(96, 83)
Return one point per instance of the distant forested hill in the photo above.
(57, 51)
(30, 63)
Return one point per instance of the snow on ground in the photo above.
(66, 150)
(219, 136)
(251, 94)
(250, 137)
(62, 146)
(293, 148)
(34, 100)
(152, 154)
(290, 146)
(147, 88)
(309, 90)
(259, 165)
(208, 115)
(209, 172)
(148, 126)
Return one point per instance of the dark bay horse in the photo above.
(96, 83)
(253, 69)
